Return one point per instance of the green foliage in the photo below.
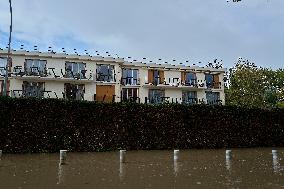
(48, 125)
(252, 86)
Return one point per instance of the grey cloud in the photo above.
(198, 30)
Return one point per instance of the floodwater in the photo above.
(242, 168)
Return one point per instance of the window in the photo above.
(129, 77)
(212, 81)
(129, 94)
(156, 96)
(190, 78)
(74, 91)
(35, 67)
(156, 77)
(75, 70)
(105, 73)
(3, 63)
(209, 80)
(189, 97)
(213, 97)
(33, 89)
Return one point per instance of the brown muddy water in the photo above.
(244, 168)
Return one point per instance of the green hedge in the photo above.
(48, 125)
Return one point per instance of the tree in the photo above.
(253, 86)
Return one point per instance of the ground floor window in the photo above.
(189, 97)
(74, 91)
(213, 97)
(130, 94)
(33, 89)
(156, 96)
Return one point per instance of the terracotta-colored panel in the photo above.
(150, 76)
(8, 88)
(105, 93)
(1, 89)
(216, 81)
(162, 76)
(183, 74)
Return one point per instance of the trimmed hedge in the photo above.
(48, 125)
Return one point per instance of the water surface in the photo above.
(244, 168)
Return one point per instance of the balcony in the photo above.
(51, 74)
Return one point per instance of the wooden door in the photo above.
(216, 81)
(162, 77)
(105, 93)
(7, 87)
(150, 76)
(183, 75)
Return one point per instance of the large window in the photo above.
(105, 73)
(129, 94)
(156, 96)
(212, 81)
(75, 70)
(213, 97)
(33, 89)
(156, 77)
(3, 63)
(190, 78)
(74, 92)
(129, 77)
(209, 80)
(35, 67)
(189, 97)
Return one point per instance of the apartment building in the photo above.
(108, 79)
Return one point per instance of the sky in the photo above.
(181, 30)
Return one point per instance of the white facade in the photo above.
(95, 78)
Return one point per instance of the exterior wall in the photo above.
(174, 94)
(173, 88)
(170, 75)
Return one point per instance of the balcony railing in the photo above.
(106, 78)
(213, 85)
(190, 101)
(76, 75)
(130, 81)
(77, 96)
(24, 94)
(214, 102)
(51, 72)
(36, 71)
(131, 99)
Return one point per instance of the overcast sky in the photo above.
(194, 30)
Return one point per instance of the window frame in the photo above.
(130, 79)
(76, 74)
(110, 76)
(37, 92)
(40, 71)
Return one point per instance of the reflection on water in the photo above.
(276, 164)
(121, 170)
(228, 159)
(60, 173)
(240, 168)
